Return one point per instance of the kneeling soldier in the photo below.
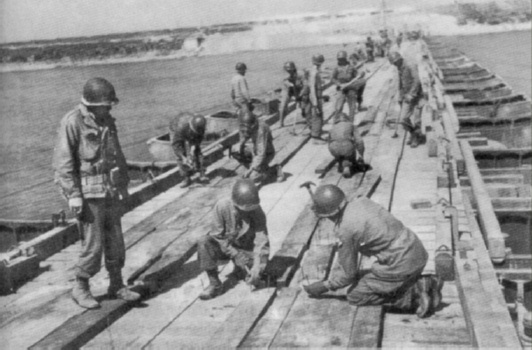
(239, 232)
(186, 132)
(262, 151)
(344, 142)
(364, 227)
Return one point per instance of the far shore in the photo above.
(180, 54)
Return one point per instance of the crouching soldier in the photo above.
(262, 152)
(240, 233)
(364, 227)
(91, 170)
(344, 142)
(186, 134)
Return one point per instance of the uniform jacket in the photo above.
(262, 145)
(181, 136)
(315, 84)
(292, 86)
(84, 155)
(239, 89)
(235, 229)
(369, 229)
(409, 83)
(343, 74)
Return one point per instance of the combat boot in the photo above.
(423, 300)
(436, 287)
(82, 296)
(203, 178)
(117, 290)
(215, 287)
(187, 181)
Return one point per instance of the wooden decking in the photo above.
(413, 183)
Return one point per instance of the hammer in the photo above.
(307, 185)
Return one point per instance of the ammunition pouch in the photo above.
(94, 186)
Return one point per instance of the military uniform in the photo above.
(344, 141)
(410, 94)
(240, 94)
(368, 229)
(235, 231)
(292, 86)
(183, 139)
(89, 164)
(343, 74)
(263, 151)
(312, 103)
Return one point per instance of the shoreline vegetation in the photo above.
(186, 42)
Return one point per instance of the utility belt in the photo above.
(101, 185)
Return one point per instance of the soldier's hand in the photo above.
(241, 260)
(75, 205)
(254, 277)
(316, 289)
(407, 98)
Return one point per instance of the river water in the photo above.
(33, 102)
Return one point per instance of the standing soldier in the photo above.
(91, 170)
(186, 132)
(240, 91)
(342, 76)
(370, 49)
(364, 227)
(344, 142)
(410, 97)
(360, 85)
(291, 87)
(239, 232)
(262, 152)
(315, 99)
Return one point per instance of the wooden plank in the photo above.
(366, 331)
(267, 327)
(488, 220)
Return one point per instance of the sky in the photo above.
(23, 20)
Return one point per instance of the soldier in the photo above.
(360, 86)
(91, 170)
(364, 227)
(370, 49)
(315, 102)
(343, 76)
(239, 232)
(262, 152)
(186, 132)
(410, 97)
(240, 91)
(291, 87)
(344, 142)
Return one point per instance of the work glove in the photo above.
(316, 289)
(75, 205)
(242, 260)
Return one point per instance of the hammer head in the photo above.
(307, 185)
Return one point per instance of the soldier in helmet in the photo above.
(410, 97)
(186, 132)
(343, 76)
(312, 99)
(91, 170)
(262, 152)
(291, 87)
(240, 233)
(364, 227)
(344, 142)
(240, 91)
(370, 49)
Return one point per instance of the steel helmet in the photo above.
(98, 92)
(395, 57)
(342, 55)
(240, 66)
(290, 66)
(197, 124)
(318, 59)
(328, 200)
(245, 195)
